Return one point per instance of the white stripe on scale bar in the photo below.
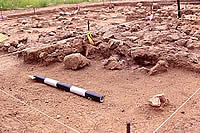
(78, 90)
(51, 82)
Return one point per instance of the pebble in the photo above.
(24, 22)
(58, 116)
(52, 33)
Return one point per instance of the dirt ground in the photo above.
(125, 67)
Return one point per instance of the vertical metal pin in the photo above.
(179, 9)
(128, 127)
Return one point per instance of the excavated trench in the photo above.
(135, 40)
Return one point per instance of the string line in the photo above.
(176, 111)
(37, 110)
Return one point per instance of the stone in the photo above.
(59, 27)
(135, 28)
(58, 116)
(172, 38)
(108, 35)
(24, 22)
(139, 51)
(156, 6)
(61, 13)
(23, 39)
(21, 46)
(197, 34)
(160, 67)
(169, 18)
(43, 55)
(14, 44)
(188, 12)
(123, 49)
(11, 49)
(112, 63)
(143, 70)
(6, 44)
(52, 33)
(161, 27)
(158, 100)
(139, 4)
(181, 42)
(29, 31)
(75, 61)
(132, 38)
(39, 25)
(155, 102)
(113, 44)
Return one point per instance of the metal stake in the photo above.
(128, 127)
(179, 9)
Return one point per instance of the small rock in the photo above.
(158, 100)
(160, 67)
(21, 46)
(39, 25)
(59, 27)
(112, 63)
(143, 70)
(155, 102)
(132, 38)
(135, 28)
(172, 38)
(29, 31)
(181, 42)
(58, 116)
(75, 61)
(61, 13)
(11, 49)
(14, 44)
(43, 55)
(161, 27)
(24, 22)
(111, 6)
(52, 33)
(188, 12)
(113, 44)
(169, 18)
(139, 4)
(6, 44)
(105, 19)
(156, 6)
(46, 101)
(23, 39)
(108, 35)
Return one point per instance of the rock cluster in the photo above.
(152, 45)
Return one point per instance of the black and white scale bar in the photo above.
(69, 88)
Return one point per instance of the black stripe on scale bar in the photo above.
(64, 86)
(39, 78)
(94, 96)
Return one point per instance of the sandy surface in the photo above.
(126, 95)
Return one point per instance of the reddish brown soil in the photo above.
(126, 94)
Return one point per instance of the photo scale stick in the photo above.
(70, 88)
